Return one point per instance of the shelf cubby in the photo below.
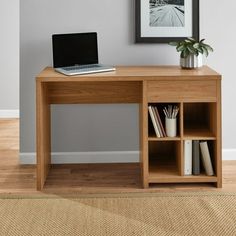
(151, 132)
(164, 159)
(196, 121)
(212, 150)
(199, 121)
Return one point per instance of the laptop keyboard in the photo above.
(81, 67)
(84, 69)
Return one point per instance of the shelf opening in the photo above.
(199, 120)
(212, 150)
(164, 158)
(160, 107)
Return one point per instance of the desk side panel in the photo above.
(43, 138)
(219, 135)
(144, 136)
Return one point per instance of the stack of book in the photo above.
(192, 151)
(156, 121)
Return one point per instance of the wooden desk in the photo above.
(197, 92)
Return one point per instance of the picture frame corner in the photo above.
(160, 38)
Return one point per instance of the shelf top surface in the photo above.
(133, 73)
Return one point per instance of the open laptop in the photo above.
(76, 54)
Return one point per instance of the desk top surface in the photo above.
(132, 73)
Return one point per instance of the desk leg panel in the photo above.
(43, 120)
(144, 136)
(219, 137)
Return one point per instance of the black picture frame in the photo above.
(140, 39)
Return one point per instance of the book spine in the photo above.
(160, 122)
(196, 157)
(155, 112)
(153, 121)
(206, 158)
(188, 157)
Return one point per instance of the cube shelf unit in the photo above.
(197, 93)
(195, 121)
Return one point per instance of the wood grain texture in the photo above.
(181, 118)
(144, 138)
(94, 92)
(218, 131)
(195, 91)
(178, 91)
(43, 129)
(133, 73)
(168, 173)
(179, 157)
(21, 179)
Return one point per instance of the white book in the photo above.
(206, 158)
(160, 122)
(154, 109)
(154, 121)
(188, 157)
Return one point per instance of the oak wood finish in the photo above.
(193, 90)
(218, 149)
(181, 115)
(94, 92)
(84, 178)
(144, 135)
(133, 73)
(168, 173)
(171, 90)
(43, 134)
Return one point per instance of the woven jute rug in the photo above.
(119, 214)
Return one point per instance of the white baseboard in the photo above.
(229, 155)
(9, 114)
(101, 157)
(84, 157)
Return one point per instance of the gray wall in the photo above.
(110, 127)
(9, 55)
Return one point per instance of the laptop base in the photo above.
(86, 69)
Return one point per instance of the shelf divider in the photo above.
(153, 138)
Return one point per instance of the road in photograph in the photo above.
(167, 16)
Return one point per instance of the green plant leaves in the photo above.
(180, 48)
(200, 50)
(192, 46)
(184, 54)
(205, 51)
(208, 47)
(191, 49)
(173, 43)
(196, 45)
(187, 41)
(192, 39)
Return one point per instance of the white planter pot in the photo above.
(191, 61)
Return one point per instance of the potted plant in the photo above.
(191, 52)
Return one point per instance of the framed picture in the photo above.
(163, 21)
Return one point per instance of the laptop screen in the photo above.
(74, 49)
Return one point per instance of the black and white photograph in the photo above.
(164, 21)
(167, 13)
